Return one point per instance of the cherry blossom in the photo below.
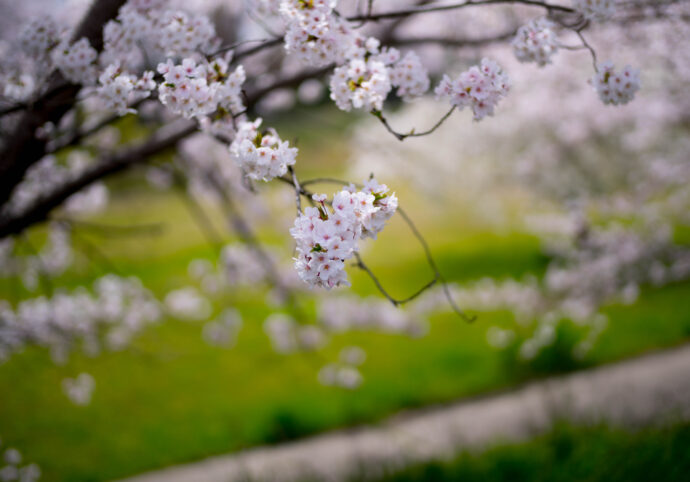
(616, 87)
(480, 88)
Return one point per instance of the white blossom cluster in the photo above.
(90, 200)
(39, 37)
(289, 336)
(117, 310)
(410, 76)
(144, 30)
(564, 157)
(365, 73)
(340, 314)
(183, 34)
(53, 258)
(49, 174)
(79, 389)
(480, 88)
(264, 7)
(366, 80)
(616, 87)
(610, 266)
(595, 9)
(188, 304)
(12, 469)
(327, 237)
(363, 82)
(237, 267)
(117, 89)
(344, 373)
(535, 42)
(77, 62)
(314, 33)
(223, 330)
(19, 87)
(261, 155)
(196, 90)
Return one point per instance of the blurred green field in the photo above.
(172, 398)
(571, 454)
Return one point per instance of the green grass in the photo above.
(173, 399)
(569, 454)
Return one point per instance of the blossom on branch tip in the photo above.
(535, 42)
(409, 76)
(77, 62)
(480, 88)
(615, 87)
(326, 238)
(262, 155)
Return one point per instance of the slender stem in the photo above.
(438, 277)
(406, 12)
(43, 275)
(113, 229)
(412, 133)
(298, 190)
(589, 47)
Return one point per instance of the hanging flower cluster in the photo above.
(480, 88)
(616, 87)
(117, 90)
(196, 90)
(535, 42)
(262, 155)
(410, 76)
(77, 62)
(314, 33)
(327, 237)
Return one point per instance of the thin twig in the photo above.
(406, 12)
(43, 274)
(425, 246)
(401, 137)
(111, 230)
(298, 190)
(197, 213)
(396, 302)
(234, 45)
(434, 267)
(92, 251)
(589, 47)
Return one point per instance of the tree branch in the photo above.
(164, 138)
(454, 6)
(23, 149)
(412, 133)
(360, 264)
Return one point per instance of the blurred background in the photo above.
(561, 224)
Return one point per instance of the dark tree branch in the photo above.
(407, 12)
(454, 42)
(293, 81)
(23, 149)
(165, 138)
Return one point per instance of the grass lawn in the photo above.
(173, 399)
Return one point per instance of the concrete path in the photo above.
(641, 391)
